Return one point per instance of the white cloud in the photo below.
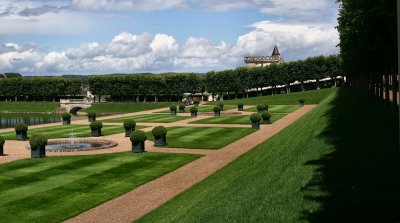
(140, 5)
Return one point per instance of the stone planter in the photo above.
(1, 150)
(22, 136)
(96, 132)
(217, 114)
(266, 121)
(138, 147)
(161, 141)
(240, 108)
(67, 122)
(193, 114)
(92, 118)
(181, 110)
(255, 125)
(128, 132)
(173, 112)
(38, 152)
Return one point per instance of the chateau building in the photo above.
(261, 61)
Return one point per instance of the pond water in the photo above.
(9, 120)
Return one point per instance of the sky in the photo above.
(45, 37)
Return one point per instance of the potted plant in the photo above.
(260, 108)
(266, 116)
(129, 126)
(66, 117)
(240, 106)
(221, 105)
(196, 102)
(266, 107)
(2, 141)
(255, 120)
(38, 144)
(160, 135)
(96, 128)
(301, 101)
(21, 129)
(91, 116)
(217, 111)
(172, 108)
(138, 138)
(193, 111)
(181, 107)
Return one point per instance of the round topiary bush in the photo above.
(181, 106)
(240, 104)
(37, 141)
(255, 117)
(266, 107)
(172, 107)
(260, 107)
(66, 116)
(91, 114)
(96, 125)
(301, 101)
(2, 141)
(194, 109)
(159, 131)
(138, 136)
(21, 127)
(266, 115)
(196, 101)
(220, 104)
(129, 124)
(217, 109)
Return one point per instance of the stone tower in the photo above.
(261, 61)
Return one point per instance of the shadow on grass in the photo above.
(360, 177)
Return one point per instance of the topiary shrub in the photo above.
(260, 108)
(138, 136)
(193, 112)
(301, 101)
(96, 125)
(37, 140)
(217, 109)
(220, 104)
(2, 141)
(240, 104)
(266, 107)
(66, 116)
(255, 117)
(21, 128)
(91, 114)
(196, 101)
(194, 109)
(172, 108)
(129, 124)
(159, 131)
(181, 106)
(266, 115)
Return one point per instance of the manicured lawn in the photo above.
(28, 106)
(203, 108)
(329, 166)
(64, 131)
(311, 97)
(203, 137)
(125, 107)
(277, 108)
(150, 118)
(54, 189)
(242, 119)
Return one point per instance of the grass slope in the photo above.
(242, 119)
(125, 107)
(311, 97)
(28, 106)
(57, 188)
(202, 137)
(338, 163)
(150, 118)
(64, 131)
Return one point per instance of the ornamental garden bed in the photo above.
(160, 118)
(202, 137)
(241, 119)
(276, 108)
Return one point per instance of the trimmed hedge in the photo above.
(2, 141)
(159, 131)
(91, 114)
(66, 116)
(255, 117)
(129, 124)
(96, 125)
(194, 109)
(38, 140)
(138, 136)
(21, 127)
(181, 106)
(217, 109)
(172, 108)
(260, 107)
(266, 115)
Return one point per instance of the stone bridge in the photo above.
(74, 105)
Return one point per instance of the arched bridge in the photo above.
(74, 105)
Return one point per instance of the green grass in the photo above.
(150, 118)
(204, 108)
(63, 131)
(125, 107)
(202, 137)
(28, 106)
(338, 163)
(54, 189)
(242, 119)
(277, 108)
(311, 97)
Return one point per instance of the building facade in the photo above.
(262, 61)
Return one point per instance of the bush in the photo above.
(301, 101)
(96, 125)
(181, 106)
(196, 101)
(37, 140)
(138, 136)
(21, 127)
(194, 109)
(240, 104)
(266, 115)
(91, 114)
(220, 104)
(217, 108)
(159, 131)
(2, 141)
(260, 107)
(66, 116)
(129, 124)
(266, 107)
(172, 107)
(255, 117)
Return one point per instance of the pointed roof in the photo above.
(276, 51)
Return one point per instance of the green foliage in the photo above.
(196, 101)
(91, 114)
(220, 104)
(129, 124)
(28, 106)
(266, 115)
(172, 108)
(124, 107)
(181, 106)
(240, 104)
(96, 125)
(21, 127)
(37, 140)
(261, 107)
(159, 131)
(138, 136)
(194, 109)
(255, 117)
(2, 140)
(301, 100)
(66, 116)
(217, 109)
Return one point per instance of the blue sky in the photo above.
(128, 36)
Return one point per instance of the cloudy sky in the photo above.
(45, 37)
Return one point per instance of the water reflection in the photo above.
(10, 120)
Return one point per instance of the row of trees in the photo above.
(38, 88)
